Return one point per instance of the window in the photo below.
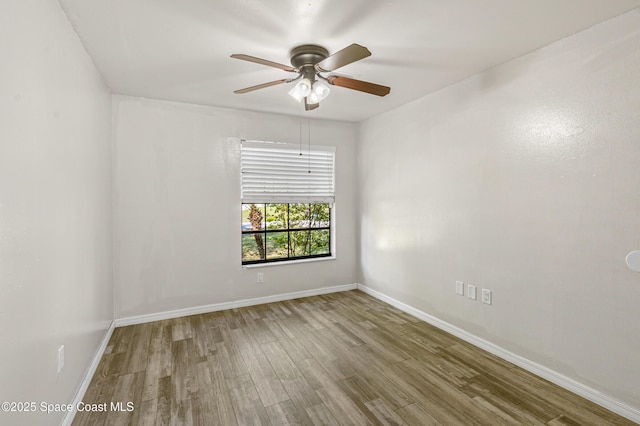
(287, 198)
(279, 231)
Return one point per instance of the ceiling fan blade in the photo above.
(263, 85)
(263, 62)
(343, 57)
(308, 106)
(363, 86)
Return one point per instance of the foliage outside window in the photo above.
(274, 232)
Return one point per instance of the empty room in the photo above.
(367, 212)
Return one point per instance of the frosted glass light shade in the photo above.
(319, 92)
(301, 90)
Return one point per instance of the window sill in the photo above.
(288, 262)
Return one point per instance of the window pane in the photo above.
(319, 215)
(320, 242)
(298, 216)
(299, 243)
(253, 247)
(276, 216)
(277, 245)
(252, 217)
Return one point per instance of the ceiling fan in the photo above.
(313, 65)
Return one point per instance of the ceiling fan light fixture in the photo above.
(309, 62)
(301, 90)
(319, 91)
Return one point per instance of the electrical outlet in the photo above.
(60, 358)
(486, 296)
(260, 278)
(471, 292)
(460, 288)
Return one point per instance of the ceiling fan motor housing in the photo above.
(307, 55)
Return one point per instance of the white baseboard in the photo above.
(139, 319)
(86, 380)
(606, 401)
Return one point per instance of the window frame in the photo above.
(264, 231)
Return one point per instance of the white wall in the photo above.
(55, 207)
(525, 180)
(177, 206)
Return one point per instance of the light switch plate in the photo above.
(471, 292)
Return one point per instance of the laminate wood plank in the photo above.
(264, 378)
(180, 378)
(127, 389)
(480, 361)
(322, 318)
(203, 341)
(346, 335)
(387, 352)
(563, 421)
(294, 349)
(383, 412)
(320, 415)
(230, 356)
(413, 414)
(181, 412)
(516, 411)
(181, 328)
(146, 413)
(286, 413)
(330, 361)
(369, 377)
(206, 398)
(259, 330)
(428, 396)
(222, 398)
(499, 392)
(358, 389)
(564, 402)
(505, 417)
(282, 365)
(120, 339)
(163, 410)
(215, 319)
(138, 352)
(158, 362)
(356, 396)
(301, 393)
(246, 401)
(343, 408)
(280, 310)
(448, 397)
(234, 319)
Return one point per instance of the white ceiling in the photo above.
(179, 50)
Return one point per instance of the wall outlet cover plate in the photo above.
(486, 296)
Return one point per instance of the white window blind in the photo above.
(278, 173)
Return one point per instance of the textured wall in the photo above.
(55, 208)
(524, 180)
(177, 206)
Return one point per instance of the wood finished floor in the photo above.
(338, 359)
